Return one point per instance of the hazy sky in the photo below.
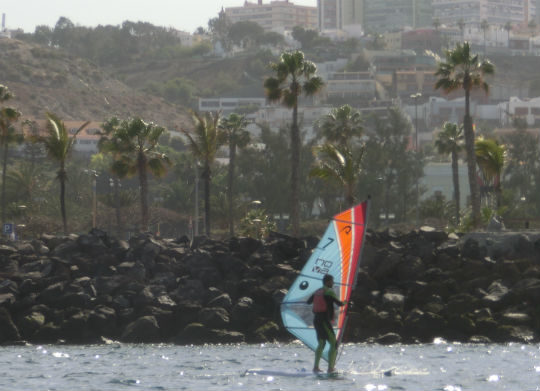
(184, 15)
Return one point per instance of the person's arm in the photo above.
(330, 293)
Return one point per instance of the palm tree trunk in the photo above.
(350, 196)
(206, 177)
(4, 169)
(143, 191)
(455, 178)
(232, 159)
(116, 185)
(471, 161)
(295, 163)
(62, 179)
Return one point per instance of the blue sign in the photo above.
(7, 228)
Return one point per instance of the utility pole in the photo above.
(415, 97)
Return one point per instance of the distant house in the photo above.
(86, 141)
(437, 181)
(230, 105)
(528, 109)
(350, 85)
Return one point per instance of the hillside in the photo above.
(45, 79)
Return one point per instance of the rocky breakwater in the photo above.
(479, 287)
(412, 287)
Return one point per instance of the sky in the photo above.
(184, 15)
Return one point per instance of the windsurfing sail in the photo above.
(338, 254)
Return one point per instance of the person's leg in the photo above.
(318, 355)
(332, 353)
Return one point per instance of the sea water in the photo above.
(437, 366)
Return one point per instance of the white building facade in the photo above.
(275, 15)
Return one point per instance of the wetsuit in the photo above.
(323, 301)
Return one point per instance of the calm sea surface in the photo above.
(438, 366)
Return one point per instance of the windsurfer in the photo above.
(323, 308)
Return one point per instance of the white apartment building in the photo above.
(279, 116)
(340, 15)
(229, 105)
(275, 16)
(495, 12)
(529, 110)
(350, 85)
(327, 68)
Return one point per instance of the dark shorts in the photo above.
(323, 326)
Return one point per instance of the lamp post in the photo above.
(415, 97)
(196, 227)
(94, 175)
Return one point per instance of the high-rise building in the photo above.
(388, 15)
(338, 14)
(495, 12)
(276, 15)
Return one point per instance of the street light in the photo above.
(94, 175)
(415, 97)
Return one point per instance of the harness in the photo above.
(319, 303)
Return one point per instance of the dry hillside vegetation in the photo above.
(45, 79)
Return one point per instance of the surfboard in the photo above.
(299, 373)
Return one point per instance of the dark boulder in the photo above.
(144, 329)
(8, 330)
(214, 317)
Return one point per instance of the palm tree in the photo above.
(25, 181)
(341, 125)
(508, 28)
(58, 145)
(294, 76)
(102, 163)
(450, 141)
(237, 136)
(8, 134)
(462, 70)
(204, 143)
(436, 23)
(491, 157)
(341, 164)
(133, 145)
(484, 25)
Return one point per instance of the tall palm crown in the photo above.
(341, 164)
(463, 70)
(204, 142)
(294, 76)
(234, 127)
(341, 125)
(491, 157)
(58, 144)
(450, 141)
(133, 144)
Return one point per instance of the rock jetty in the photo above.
(412, 287)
